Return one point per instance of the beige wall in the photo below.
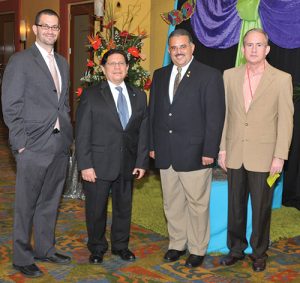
(28, 11)
(159, 32)
(147, 18)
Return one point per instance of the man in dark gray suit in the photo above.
(36, 111)
(186, 120)
(111, 148)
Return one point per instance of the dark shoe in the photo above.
(230, 260)
(56, 258)
(194, 260)
(259, 264)
(124, 254)
(96, 259)
(173, 255)
(29, 270)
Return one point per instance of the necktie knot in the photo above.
(122, 107)
(179, 69)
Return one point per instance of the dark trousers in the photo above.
(241, 184)
(39, 184)
(96, 214)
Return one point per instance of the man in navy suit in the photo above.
(186, 120)
(36, 110)
(111, 148)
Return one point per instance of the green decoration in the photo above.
(248, 12)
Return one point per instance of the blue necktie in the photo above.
(122, 107)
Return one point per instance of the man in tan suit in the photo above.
(255, 142)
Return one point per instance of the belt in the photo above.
(55, 131)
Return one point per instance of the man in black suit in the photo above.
(186, 120)
(36, 110)
(111, 148)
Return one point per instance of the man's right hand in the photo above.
(89, 175)
(222, 160)
(152, 154)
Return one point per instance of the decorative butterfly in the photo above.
(175, 17)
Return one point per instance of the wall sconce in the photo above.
(23, 30)
(99, 8)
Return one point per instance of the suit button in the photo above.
(246, 124)
(170, 114)
(170, 132)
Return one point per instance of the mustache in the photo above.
(180, 54)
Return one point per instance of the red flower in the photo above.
(79, 91)
(134, 51)
(90, 63)
(124, 33)
(110, 24)
(111, 44)
(95, 41)
(147, 84)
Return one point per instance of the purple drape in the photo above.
(216, 23)
(281, 20)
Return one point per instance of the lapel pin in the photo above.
(188, 74)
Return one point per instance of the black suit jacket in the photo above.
(29, 100)
(191, 127)
(101, 142)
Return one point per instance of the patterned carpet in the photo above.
(149, 247)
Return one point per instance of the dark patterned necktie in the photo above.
(177, 80)
(122, 107)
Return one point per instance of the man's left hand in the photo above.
(276, 166)
(207, 160)
(138, 172)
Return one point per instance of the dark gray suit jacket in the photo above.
(29, 100)
(101, 142)
(191, 127)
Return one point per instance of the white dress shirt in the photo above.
(45, 56)
(115, 94)
(173, 75)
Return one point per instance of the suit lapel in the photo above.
(264, 83)
(108, 97)
(239, 84)
(41, 62)
(43, 65)
(189, 74)
(166, 78)
(133, 103)
(63, 74)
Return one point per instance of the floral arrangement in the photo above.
(114, 38)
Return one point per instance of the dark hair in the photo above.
(111, 52)
(259, 30)
(180, 32)
(48, 12)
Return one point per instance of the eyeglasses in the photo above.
(258, 45)
(46, 27)
(178, 47)
(114, 64)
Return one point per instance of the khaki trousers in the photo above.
(186, 203)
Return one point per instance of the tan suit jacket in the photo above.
(253, 138)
